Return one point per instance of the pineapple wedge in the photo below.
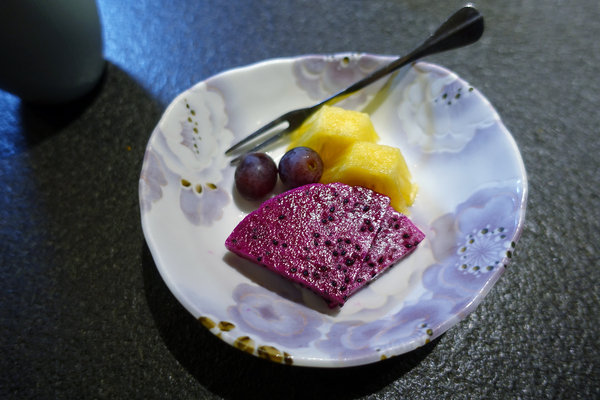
(378, 167)
(331, 130)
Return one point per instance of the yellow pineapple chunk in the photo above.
(378, 167)
(331, 130)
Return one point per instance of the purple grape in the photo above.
(300, 166)
(255, 176)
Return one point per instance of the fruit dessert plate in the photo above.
(470, 204)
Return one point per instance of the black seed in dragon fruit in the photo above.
(316, 235)
(397, 238)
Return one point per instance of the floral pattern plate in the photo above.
(471, 206)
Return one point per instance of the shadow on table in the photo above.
(29, 124)
(231, 373)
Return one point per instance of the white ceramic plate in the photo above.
(471, 206)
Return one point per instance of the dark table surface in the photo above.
(85, 314)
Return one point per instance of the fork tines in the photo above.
(254, 135)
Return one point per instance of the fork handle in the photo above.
(462, 28)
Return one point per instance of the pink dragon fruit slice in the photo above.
(318, 236)
(397, 238)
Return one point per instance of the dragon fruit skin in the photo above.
(322, 237)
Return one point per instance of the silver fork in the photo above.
(462, 28)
